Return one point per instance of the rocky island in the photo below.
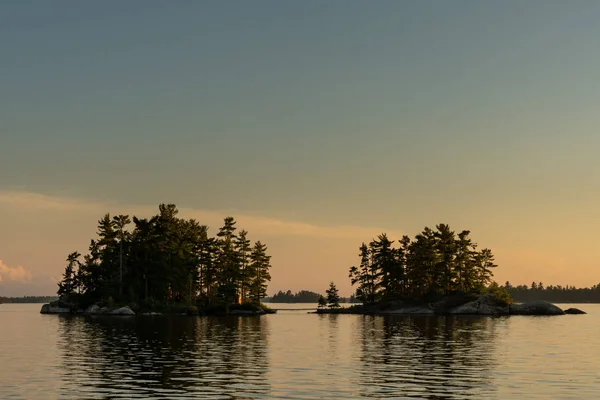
(483, 305)
(438, 272)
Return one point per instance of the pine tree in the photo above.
(386, 266)
(259, 272)
(119, 223)
(333, 298)
(69, 284)
(228, 262)
(322, 302)
(243, 248)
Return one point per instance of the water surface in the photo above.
(294, 355)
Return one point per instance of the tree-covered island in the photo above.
(437, 272)
(166, 264)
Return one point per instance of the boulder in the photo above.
(150, 314)
(537, 307)
(574, 311)
(122, 311)
(52, 309)
(447, 304)
(486, 304)
(93, 309)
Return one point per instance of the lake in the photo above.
(295, 355)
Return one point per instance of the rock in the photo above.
(150, 314)
(93, 309)
(51, 309)
(537, 307)
(104, 310)
(122, 311)
(574, 311)
(486, 304)
(447, 304)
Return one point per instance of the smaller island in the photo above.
(438, 272)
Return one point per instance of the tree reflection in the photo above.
(164, 357)
(427, 357)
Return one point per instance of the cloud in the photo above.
(17, 274)
(36, 201)
(257, 225)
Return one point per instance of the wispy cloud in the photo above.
(14, 274)
(36, 201)
(256, 225)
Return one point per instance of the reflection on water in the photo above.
(435, 358)
(294, 355)
(164, 357)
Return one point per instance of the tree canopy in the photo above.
(436, 262)
(303, 296)
(554, 293)
(168, 260)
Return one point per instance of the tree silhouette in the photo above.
(333, 297)
(435, 263)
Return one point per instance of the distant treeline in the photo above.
(28, 299)
(554, 294)
(303, 296)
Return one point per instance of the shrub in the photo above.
(500, 292)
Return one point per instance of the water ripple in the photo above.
(297, 356)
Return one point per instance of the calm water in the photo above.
(293, 355)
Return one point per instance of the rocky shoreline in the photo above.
(60, 307)
(483, 305)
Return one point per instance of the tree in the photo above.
(119, 223)
(69, 283)
(228, 262)
(385, 267)
(366, 276)
(322, 302)
(243, 248)
(333, 298)
(259, 272)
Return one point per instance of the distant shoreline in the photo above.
(28, 300)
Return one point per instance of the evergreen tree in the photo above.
(259, 273)
(386, 267)
(322, 302)
(445, 269)
(333, 298)
(119, 223)
(69, 284)
(228, 262)
(243, 248)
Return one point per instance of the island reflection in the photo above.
(164, 357)
(426, 357)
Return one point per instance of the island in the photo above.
(438, 272)
(165, 265)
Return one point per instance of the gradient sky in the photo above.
(318, 124)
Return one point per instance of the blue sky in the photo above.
(392, 114)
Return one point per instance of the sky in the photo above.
(316, 124)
